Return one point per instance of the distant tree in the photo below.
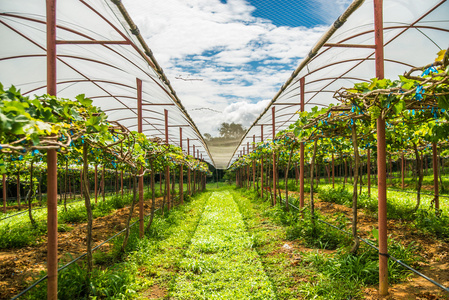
(207, 136)
(231, 131)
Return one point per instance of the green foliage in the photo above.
(318, 235)
(428, 221)
(339, 195)
(10, 237)
(73, 215)
(363, 268)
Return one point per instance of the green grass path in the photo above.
(221, 262)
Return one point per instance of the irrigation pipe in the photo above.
(74, 260)
(385, 254)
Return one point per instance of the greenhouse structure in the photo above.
(337, 190)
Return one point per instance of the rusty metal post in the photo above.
(435, 177)
(52, 225)
(96, 183)
(402, 169)
(4, 193)
(188, 169)
(181, 171)
(368, 169)
(333, 171)
(261, 163)
(81, 183)
(199, 175)
(194, 172)
(121, 182)
(140, 129)
(381, 156)
(52, 159)
(198, 157)
(167, 168)
(254, 163)
(103, 180)
(301, 159)
(247, 167)
(273, 120)
(243, 169)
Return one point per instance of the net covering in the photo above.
(101, 54)
(414, 31)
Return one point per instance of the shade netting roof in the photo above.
(414, 31)
(100, 54)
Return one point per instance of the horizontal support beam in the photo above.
(283, 103)
(349, 46)
(158, 104)
(178, 125)
(92, 42)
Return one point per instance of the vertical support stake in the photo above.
(381, 155)
(140, 129)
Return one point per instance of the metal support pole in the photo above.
(103, 180)
(4, 193)
(188, 170)
(81, 183)
(167, 168)
(368, 169)
(435, 176)
(261, 163)
(52, 160)
(247, 167)
(273, 120)
(301, 159)
(96, 183)
(381, 156)
(194, 173)
(333, 171)
(254, 163)
(140, 129)
(198, 157)
(402, 170)
(121, 182)
(181, 172)
(52, 225)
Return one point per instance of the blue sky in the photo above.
(290, 12)
(238, 52)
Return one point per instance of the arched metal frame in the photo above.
(114, 47)
(319, 66)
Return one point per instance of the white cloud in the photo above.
(242, 60)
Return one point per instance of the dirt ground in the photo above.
(19, 267)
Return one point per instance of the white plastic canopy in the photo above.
(101, 54)
(414, 31)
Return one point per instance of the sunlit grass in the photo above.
(220, 262)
